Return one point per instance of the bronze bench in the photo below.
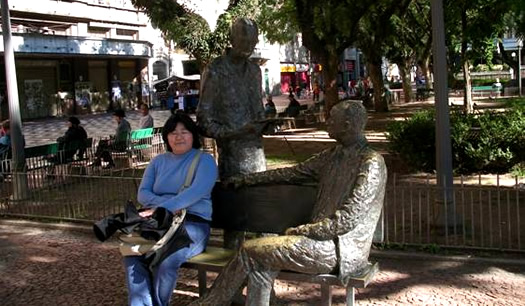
(269, 209)
(214, 259)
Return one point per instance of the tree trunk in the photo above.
(468, 106)
(425, 69)
(467, 96)
(380, 103)
(404, 71)
(330, 65)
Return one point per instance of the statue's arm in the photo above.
(371, 179)
(305, 172)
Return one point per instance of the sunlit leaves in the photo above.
(190, 31)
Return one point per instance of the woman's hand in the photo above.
(147, 213)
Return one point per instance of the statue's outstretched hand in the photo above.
(234, 182)
(301, 230)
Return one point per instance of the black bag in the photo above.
(135, 244)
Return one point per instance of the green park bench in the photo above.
(481, 90)
(37, 157)
(137, 138)
(139, 142)
(269, 209)
(70, 155)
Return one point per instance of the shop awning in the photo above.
(193, 77)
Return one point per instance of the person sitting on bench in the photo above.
(351, 180)
(5, 149)
(163, 185)
(73, 142)
(116, 143)
(294, 107)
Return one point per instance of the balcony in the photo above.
(67, 45)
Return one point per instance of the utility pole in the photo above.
(17, 141)
(447, 216)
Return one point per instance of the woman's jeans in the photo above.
(145, 289)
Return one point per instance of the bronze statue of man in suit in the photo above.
(230, 105)
(230, 110)
(351, 180)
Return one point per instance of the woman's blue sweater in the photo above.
(165, 176)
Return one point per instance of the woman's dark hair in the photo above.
(171, 124)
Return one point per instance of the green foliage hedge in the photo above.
(490, 142)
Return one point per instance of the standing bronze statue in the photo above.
(351, 180)
(230, 105)
(231, 110)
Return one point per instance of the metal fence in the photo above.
(472, 213)
(476, 214)
(72, 197)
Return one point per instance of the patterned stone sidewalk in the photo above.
(44, 131)
(49, 266)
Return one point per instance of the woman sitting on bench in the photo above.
(161, 186)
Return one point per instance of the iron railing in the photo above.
(469, 214)
(474, 213)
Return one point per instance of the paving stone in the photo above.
(54, 267)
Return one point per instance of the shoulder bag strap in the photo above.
(178, 219)
(191, 170)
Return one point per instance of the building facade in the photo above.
(79, 56)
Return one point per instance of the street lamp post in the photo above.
(520, 45)
(17, 141)
(447, 216)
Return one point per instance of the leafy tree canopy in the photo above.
(182, 25)
(475, 24)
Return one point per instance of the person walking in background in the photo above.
(298, 91)
(316, 92)
(180, 101)
(172, 93)
(146, 121)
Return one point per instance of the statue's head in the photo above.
(243, 37)
(347, 122)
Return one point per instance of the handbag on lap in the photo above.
(134, 243)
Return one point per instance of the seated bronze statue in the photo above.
(350, 180)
